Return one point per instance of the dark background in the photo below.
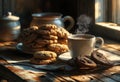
(24, 8)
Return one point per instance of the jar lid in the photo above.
(10, 17)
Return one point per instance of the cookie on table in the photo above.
(58, 48)
(45, 54)
(42, 62)
(100, 59)
(85, 63)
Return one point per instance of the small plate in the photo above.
(65, 56)
(19, 47)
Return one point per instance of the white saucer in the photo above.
(19, 47)
(65, 56)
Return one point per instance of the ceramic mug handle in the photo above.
(99, 42)
(71, 20)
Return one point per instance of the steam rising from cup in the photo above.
(83, 23)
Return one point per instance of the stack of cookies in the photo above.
(48, 37)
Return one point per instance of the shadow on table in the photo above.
(74, 75)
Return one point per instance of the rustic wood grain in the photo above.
(111, 50)
(22, 73)
(115, 77)
(81, 78)
(10, 76)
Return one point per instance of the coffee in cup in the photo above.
(83, 44)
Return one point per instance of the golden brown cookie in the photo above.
(42, 62)
(58, 48)
(47, 32)
(45, 54)
(48, 27)
(44, 41)
(49, 37)
(62, 33)
(63, 41)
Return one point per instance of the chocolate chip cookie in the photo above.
(49, 37)
(45, 54)
(47, 32)
(63, 41)
(45, 41)
(42, 62)
(48, 27)
(100, 59)
(58, 48)
(62, 33)
(85, 63)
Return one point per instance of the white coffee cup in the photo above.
(83, 44)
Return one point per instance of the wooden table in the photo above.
(24, 73)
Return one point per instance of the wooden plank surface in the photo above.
(28, 73)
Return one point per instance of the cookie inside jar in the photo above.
(47, 37)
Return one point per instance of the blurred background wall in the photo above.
(24, 8)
